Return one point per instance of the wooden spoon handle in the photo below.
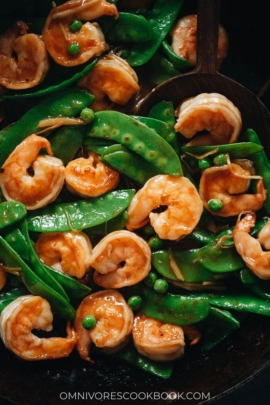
(207, 35)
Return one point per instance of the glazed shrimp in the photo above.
(46, 183)
(112, 79)
(157, 340)
(90, 39)
(31, 63)
(229, 184)
(69, 252)
(90, 177)
(249, 248)
(114, 320)
(120, 259)
(178, 194)
(211, 112)
(23, 315)
(184, 40)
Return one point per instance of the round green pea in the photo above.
(148, 230)
(215, 204)
(155, 243)
(150, 279)
(161, 285)
(220, 160)
(135, 301)
(75, 26)
(73, 49)
(89, 322)
(204, 163)
(87, 115)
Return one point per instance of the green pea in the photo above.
(75, 26)
(161, 286)
(220, 160)
(148, 230)
(204, 163)
(89, 322)
(215, 204)
(155, 243)
(73, 49)
(135, 302)
(87, 115)
(150, 279)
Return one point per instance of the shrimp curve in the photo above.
(178, 194)
(39, 189)
(31, 63)
(114, 320)
(30, 312)
(120, 259)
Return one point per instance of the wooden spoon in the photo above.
(206, 79)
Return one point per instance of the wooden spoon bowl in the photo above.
(205, 78)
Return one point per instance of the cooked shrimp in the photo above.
(229, 184)
(3, 278)
(114, 320)
(30, 64)
(178, 194)
(90, 177)
(157, 340)
(23, 315)
(89, 39)
(39, 189)
(193, 333)
(69, 252)
(211, 112)
(264, 236)
(113, 77)
(249, 248)
(184, 40)
(120, 259)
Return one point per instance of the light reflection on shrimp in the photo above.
(178, 195)
(23, 315)
(69, 252)
(39, 189)
(229, 184)
(114, 320)
(31, 63)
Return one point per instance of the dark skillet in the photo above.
(238, 359)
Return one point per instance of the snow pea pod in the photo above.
(255, 284)
(130, 28)
(7, 297)
(97, 145)
(220, 259)
(114, 224)
(177, 61)
(160, 18)
(33, 283)
(67, 103)
(241, 302)
(11, 212)
(221, 318)
(64, 217)
(137, 137)
(235, 150)
(17, 241)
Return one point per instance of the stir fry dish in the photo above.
(127, 236)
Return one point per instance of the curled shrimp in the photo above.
(210, 112)
(249, 248)
(114, 320)
(157, 340)
(111, 77)
(90, 177)
(120, 259)
(229, 184)
(23, 315)
(184, 40)
(69, 252)
(178, 195)
(31, 63)
(58, 36)
(39, 189)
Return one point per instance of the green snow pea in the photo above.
(261, 164)
(64, 217)
(159, 69)
(58, 79)
(14, 237)
(177, 61)
(221, 318)
(255, 284)
(203, 237)
(220, 259)
(137, 137)
(7, 297)
(11, 212)
(67, 103)
(4, 132)
(33, 283)
(160, 19)
(97, 145)
(114, 224)
(246, 302)
(130, 28)
(235, 150)
(172, 308)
